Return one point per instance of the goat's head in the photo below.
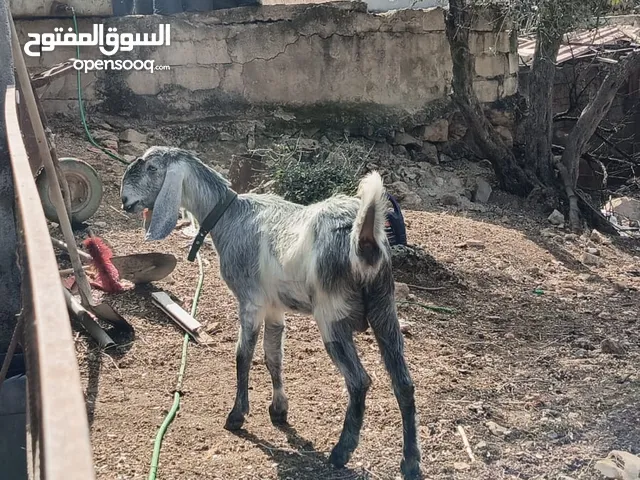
(154, 181)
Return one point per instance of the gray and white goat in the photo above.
(330, 259)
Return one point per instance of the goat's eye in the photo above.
(151, 168)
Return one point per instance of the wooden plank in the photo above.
(181, 317)
(58, 429)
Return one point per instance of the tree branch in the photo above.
(587, 125)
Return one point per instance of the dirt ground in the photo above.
(530, 362)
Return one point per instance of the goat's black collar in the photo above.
(212, 219)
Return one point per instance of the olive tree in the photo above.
(533, 171)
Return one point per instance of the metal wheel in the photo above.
(85, 188)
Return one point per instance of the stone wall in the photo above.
(331, 61)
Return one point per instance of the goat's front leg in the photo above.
(251, 317)
(274, 331)
(338, 341)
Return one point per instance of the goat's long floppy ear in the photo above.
(167, 205)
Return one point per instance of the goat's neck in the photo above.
(202, 191)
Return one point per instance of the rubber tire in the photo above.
(91, 181)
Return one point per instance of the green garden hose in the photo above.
(185, 343)
(81, 103)
(177, 394)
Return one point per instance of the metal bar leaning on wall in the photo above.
(58, 440)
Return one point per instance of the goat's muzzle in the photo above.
(131, 206)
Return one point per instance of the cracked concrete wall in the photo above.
(336, 55)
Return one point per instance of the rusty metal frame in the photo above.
(58, 440)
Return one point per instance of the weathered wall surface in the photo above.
(335, 58)
(43, 8)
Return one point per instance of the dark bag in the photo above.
(395, 227)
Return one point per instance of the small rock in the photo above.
(132, 136)
(498, 430)
(471, 243)
(591, 260)
(406, 140)
(129, 158)
(461, 466)
(619, 465)
(400, 151)
(547, 233)
(401, 291)
(556, 218)
(251, 141)
(451, 199)
(100, 224)
(225, 137)
(430, 153)
(103, 135)
(612, 347)
(605, 316)
(506, 135)
(438, 131)
(110, 144)
(584, 344)
(570, 237)
(509, 336)
(457, 130)
(500, 118)
(133, 148)
(597, 237)
(412, 200)
(482, 191)
(404, 326)
(444, 158)
(593, 251)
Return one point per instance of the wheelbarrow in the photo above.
(81, 184)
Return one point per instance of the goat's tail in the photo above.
(368, 236)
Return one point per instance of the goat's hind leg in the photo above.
(386, 328)
(338, 341)
(274, 332)
(251, 318)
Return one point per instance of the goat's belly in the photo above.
(295, 300)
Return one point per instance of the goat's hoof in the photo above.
(234, 421)
(339, 457)
(410, 470)
(278, 418)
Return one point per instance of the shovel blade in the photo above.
(144, 267)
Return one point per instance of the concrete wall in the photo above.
(43, 8)
(333, 56)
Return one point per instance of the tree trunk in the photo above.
(511, 176)
(539, 122)
(586, 126)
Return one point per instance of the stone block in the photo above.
(437, 131)
(503, 42)
(509, 86)
(489, 66)
(212, 51)
(196, 77)
(486, 90)
(178, 53)
(514, 64)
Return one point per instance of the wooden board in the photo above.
(181, 317)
